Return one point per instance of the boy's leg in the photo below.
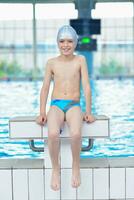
(74, 120)
(55, 119)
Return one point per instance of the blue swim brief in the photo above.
(64, 104)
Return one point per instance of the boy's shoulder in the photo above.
(51, 61)
(80, 58)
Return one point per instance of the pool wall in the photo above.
(102, 179)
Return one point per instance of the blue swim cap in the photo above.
(67, 32)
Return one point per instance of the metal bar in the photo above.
(34, 39)
(89, 146)
(41, 149)
(34, 148)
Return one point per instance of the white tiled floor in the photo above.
(29, 180)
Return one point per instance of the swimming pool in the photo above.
(114, 98)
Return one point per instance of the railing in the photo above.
(41, 149)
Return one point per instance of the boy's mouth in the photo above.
(66, 49)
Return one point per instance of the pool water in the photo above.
(114, 98)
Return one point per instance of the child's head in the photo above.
(67, 32)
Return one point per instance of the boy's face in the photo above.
(66, 46)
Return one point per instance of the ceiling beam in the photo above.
(61, 1)
(113, 1)
(37, 1)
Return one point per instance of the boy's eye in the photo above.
(70, 41)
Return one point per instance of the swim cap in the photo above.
(67, 32)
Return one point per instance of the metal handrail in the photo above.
(34, 148)
(41, 149)
(89, 146)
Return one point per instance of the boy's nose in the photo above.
(66, 44)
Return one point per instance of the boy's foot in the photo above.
(76, 179)
(55, 179)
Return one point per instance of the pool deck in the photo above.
(102, 179)
(107, 77)
(123, 162)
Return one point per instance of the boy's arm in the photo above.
(87, 90)
(45, 88)
(41, 119)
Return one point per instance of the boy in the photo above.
(67, 70)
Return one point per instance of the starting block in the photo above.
(27, 128)
(21, 128)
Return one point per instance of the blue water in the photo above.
(114, 98)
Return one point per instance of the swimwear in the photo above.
(64, 104)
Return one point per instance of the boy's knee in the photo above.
(53, 135)
(75, 136)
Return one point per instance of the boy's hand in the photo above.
(88, 118)
(41, 119)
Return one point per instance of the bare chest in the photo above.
(66, 72)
